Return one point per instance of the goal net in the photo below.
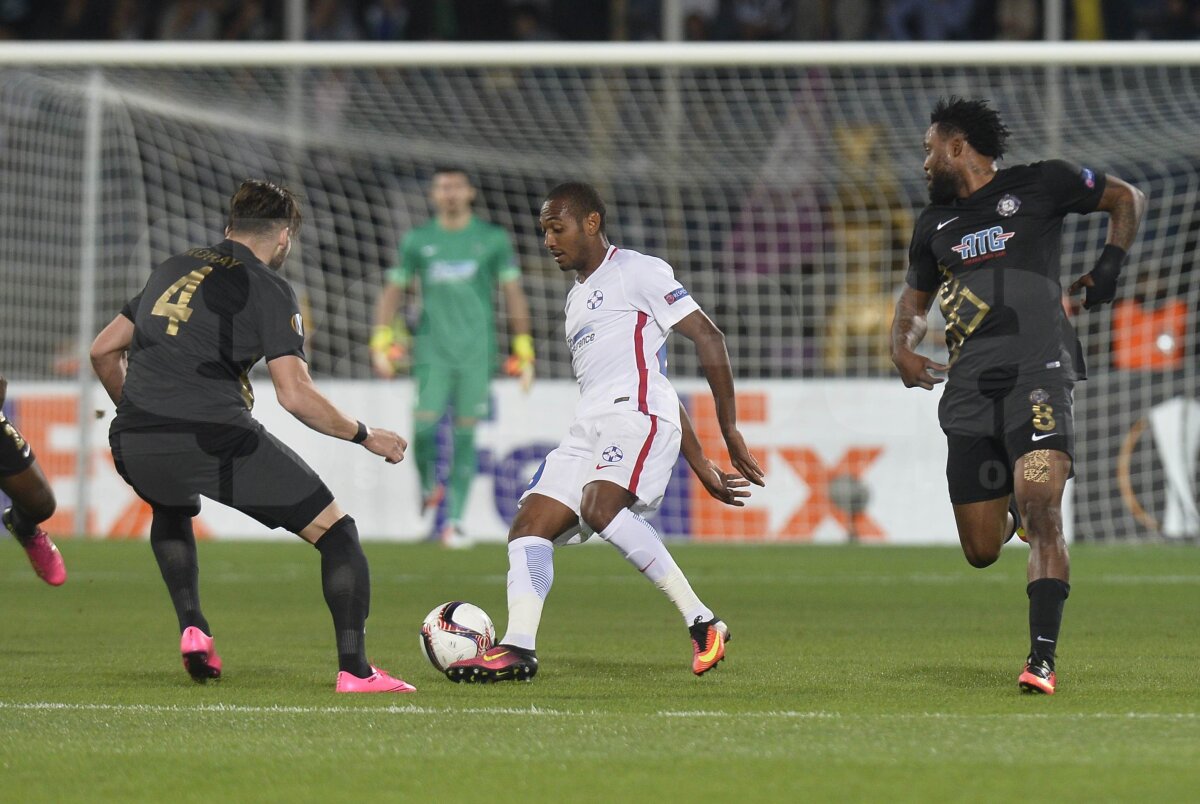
(784, 195)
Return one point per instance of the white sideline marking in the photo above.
(935, 715)
(240, 709)
(538, 711)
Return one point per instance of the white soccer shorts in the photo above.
(632, 449)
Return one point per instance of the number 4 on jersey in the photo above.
(179, 311)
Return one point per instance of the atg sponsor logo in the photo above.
(675, 295)
(983, 245)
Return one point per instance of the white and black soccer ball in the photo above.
(455, 631)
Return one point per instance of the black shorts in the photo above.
(15, 453)
(979, 466)
(245, 468)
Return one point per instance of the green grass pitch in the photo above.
(855, 673)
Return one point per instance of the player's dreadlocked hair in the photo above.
(581, 198)
(259, 207)
(979, 124)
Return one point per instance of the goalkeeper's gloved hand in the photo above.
(389, 349)
(1101, 282)
(520, 363)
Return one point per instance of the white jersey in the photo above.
(618, 320)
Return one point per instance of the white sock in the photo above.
(530, 575)
(638, 541)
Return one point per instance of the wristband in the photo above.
(1104, 277)
(382, 338)
(361, 435)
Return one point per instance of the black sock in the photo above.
(346, 581)
(1046, 598)
(174, 547)
(24, 526)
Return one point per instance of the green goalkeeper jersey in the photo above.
(458, 272)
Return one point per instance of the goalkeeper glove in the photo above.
(389, 348)
(1101, 283)
(520, 363)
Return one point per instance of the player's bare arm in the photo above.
(908, 330)
(383, 343)
(727, 487)
(108, 355)
(298, 395)
(1126, 206)
(520, 364)
(714, 359)
(517, 306)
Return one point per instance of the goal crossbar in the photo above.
(598, 54)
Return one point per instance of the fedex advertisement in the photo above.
(848, 460)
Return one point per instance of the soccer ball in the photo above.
(456, 631)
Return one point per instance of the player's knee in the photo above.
(980, 557)
(171, 515)
(423, 424)
(532, 520)
(347, 524)
(41, 506)
(519, 522)
(170, 524)
(981, 542)
(341, 539)
(597, 512)
(330, 518)
(514, 534)
(1043, 520)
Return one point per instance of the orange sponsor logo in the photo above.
(714, 521)
(39, 416)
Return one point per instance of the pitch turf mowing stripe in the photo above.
(286, 576)
(538, 711)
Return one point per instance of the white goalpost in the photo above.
(781, 181)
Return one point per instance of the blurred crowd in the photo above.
(593, 20)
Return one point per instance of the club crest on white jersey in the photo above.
(617, 324)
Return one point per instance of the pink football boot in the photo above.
(199, 658)
(43, 555)
(378, 681)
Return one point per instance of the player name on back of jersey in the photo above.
(213, 257)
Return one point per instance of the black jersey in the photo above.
(994, 258)
(202, 321)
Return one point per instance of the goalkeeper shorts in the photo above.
(464, 387)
